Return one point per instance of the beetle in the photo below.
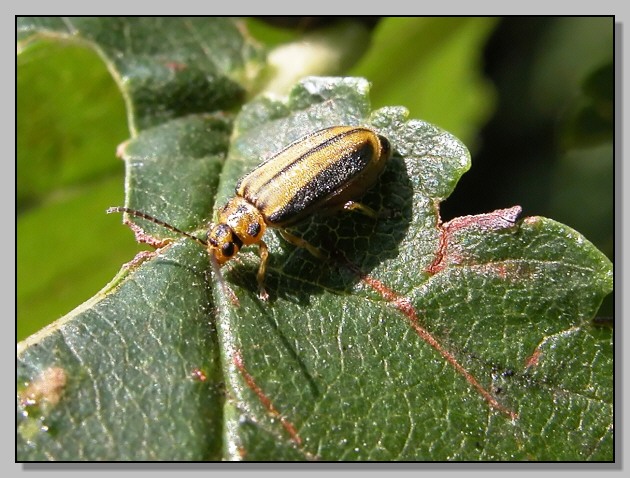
(323, 171)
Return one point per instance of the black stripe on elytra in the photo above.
(326, 182)
(325, 144)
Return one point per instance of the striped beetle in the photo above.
(320, 172)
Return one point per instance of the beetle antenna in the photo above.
(142, 215)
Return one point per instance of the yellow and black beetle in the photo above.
(323, 171)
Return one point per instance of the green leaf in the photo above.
(132, 361)
(336, 359)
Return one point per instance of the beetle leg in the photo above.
(299, 242)
(362, 208)
(263, 252)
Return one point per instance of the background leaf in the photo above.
(334, 357)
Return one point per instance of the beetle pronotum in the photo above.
(323, 171)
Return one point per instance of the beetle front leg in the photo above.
(263, 252)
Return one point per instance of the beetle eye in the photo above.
(228, 249)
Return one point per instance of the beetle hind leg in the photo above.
(299, 242)
(359, 207)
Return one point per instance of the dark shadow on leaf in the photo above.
(294, 274)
